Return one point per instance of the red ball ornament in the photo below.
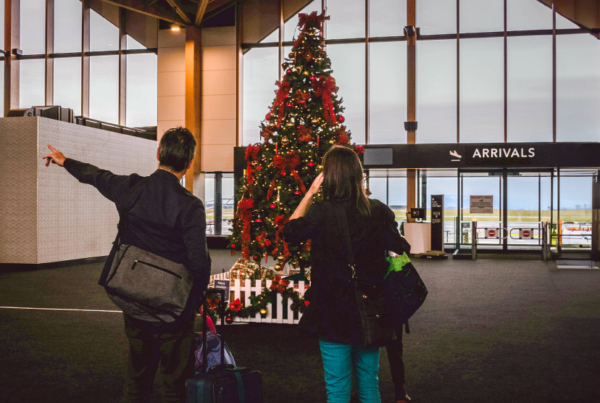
(256, 258)
(289, 71)
(313, 78)
(297, 192)
(258, 220)
(289, 105)
(310, 164)
(341, 118)
(229, 320)
(273, 205)
(232, 245)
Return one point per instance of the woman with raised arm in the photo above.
(333, 314)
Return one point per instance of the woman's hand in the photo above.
(314, 188)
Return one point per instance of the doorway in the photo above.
(517, 201)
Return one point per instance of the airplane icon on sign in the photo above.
(455, 154)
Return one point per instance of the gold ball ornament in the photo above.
(280, 258)
(278, 267)
(264, 311)
(285, 140)
(306, 73)
(331, 141)
(320, 167)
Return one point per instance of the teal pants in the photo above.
(339, 360)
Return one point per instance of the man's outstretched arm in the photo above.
(112, 186)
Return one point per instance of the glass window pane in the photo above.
(387, 79)
(387, 17)
(104, 88)
(1, 26)
(436, 16)
(564, 23)
(348, 64)
(260, 74)
(577, 88)
(32, 83)
(104, 35)
(209, 202)
(481, 15)
(272, 37)
(33, 26)
(436, 91)
(397, 197)
(290, 32)
(482, 90)
(378, 189)
(347, 19)
(527, 14)
(133, 44)
(67, 83)
(67, 26)
(142, 81)
(227, 199)
(530, 88)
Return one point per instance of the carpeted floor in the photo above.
(490, 331)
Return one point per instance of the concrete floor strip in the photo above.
(58, 309)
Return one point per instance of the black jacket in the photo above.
(336, 317)
(164, 218)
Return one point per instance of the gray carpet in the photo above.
(490, 331)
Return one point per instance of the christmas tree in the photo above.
(304, 121)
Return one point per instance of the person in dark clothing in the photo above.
(167, 220)
(332, 315)
(395, 353)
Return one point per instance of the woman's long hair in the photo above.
(342, 178)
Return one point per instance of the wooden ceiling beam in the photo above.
(200, 12)
(180, 12)
(153, 10)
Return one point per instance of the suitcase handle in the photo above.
(204, 329)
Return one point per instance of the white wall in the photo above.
(46, 215)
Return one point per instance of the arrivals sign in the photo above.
(482, 205)
(484, 155)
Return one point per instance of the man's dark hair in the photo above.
(177, 148)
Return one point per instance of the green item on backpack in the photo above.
(396, 263)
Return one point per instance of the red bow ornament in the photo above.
(279, 284)
(251, 156)
(305, 133)
(236, 305)
(280, 222)
(291, 160)
(304, 19)
(281, 94)
(301, 98)
(245, 213)
(324, 88)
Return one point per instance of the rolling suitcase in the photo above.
(223, 383)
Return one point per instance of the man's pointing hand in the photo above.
(56, 157)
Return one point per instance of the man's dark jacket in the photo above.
(163, 218)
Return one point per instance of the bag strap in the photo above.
(345, 233)
(117, 242)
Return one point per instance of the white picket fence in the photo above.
(273, 315)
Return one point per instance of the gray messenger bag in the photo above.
(144, 285)
(148, 287)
